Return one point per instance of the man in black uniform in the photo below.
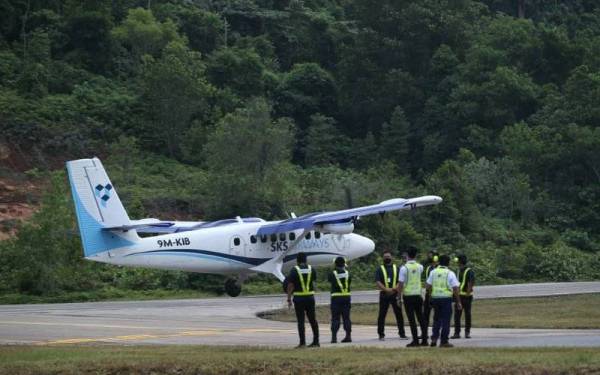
(429, 265)
(340, 300)
(466, 278)
(301, 285)
(386, 278)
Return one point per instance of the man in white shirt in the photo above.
(442, 285)
(409, 288)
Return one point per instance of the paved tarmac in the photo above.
(234, 321)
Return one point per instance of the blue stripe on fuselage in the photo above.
(206, 253)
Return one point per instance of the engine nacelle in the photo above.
(338, 228)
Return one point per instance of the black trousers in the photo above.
(413, 305)
(306, 305)
(340, 307)
(384, 304)
(466, 302)
(426, 317)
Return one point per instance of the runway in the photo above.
(233, 321)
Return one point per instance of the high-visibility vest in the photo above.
(412, 285)
(394, 279)
(344, 288)
(440, 287)
(463, 284)
(305, 284)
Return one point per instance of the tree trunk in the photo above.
(521, 8)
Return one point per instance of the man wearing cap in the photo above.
(386, 278)
(340, 281)
(442, 285)
(409, 287)
(301, 284)
(466, 278)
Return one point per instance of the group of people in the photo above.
(398, 286)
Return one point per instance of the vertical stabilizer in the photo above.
(97, 206)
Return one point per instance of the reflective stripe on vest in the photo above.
(394, 280)
(304, 284)
(344, 289)
(440, 287)
(464, 283)
(412, 286)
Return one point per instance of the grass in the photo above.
(574, 311)
(242, 360)
(107, 294)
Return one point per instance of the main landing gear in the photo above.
(233, 288)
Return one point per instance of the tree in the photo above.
(325, 144)
(247, 156)
(307, 89)
(144, 35)
(175, 90)
(394, 140)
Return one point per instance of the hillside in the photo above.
(208, 109)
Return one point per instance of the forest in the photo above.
(209, 109)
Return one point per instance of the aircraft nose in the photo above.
(366, 246)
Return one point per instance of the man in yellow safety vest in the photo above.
(409, 287)
(386, 278)
(466, 278)
(301, 285)
(340, 282)
(442, 285)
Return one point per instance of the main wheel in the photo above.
(232, 288)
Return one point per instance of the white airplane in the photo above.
(235, 247)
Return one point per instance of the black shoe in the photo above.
(413, 344)
(467, 335)
(301, 346)
(455, 336)
(334, 339)
(424, 342)
(347, 338)
(314, 345)
(381, 338)
(433, 344)
(403, 337)
(446, 345)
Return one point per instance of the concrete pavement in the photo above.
(233, 321)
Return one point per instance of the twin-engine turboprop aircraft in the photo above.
(235, 247)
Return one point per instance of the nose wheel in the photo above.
(233, 287)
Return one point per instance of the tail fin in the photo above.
(97, 206)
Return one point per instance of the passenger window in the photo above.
(317, 235)
(273, 237)
(307, 236)
(292, 236)
(263, 238)
(281, 236)
(253, 239)
(236, 241)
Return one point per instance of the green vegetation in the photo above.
(211, 109)
(237, 360)
(576, 311)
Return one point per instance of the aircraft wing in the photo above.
(156, 226)
(309, 221)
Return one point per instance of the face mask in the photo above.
(387, 261)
